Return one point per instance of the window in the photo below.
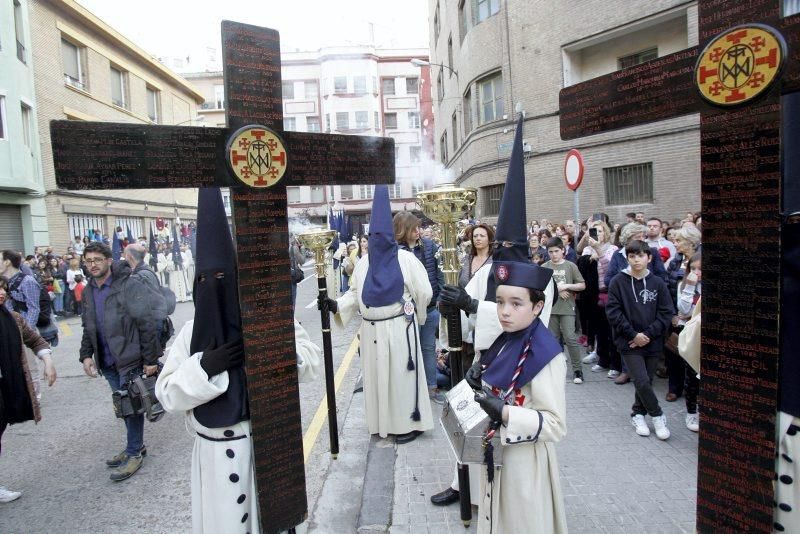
(390, 121)
(443, 147)
(462, 20)
(637, 59)
(491, 199)
(375, 85)
(467, 112)
(19, 33)
(311, 90)
(366, 191)
(219, 96)
(312, 124)
(439, 87)
(134, 223)
(415, 188)
(413, 120)
(293, 195)
(377, 121)
(485, 9)
(82, 224)
(152, 104)
(71, 58)
(118, 97)
(360, 85)
(629, 184)
(317, 193)
(345, 192)
(340, 85)
(327, 122)
(490, 91)
(396, 152)
(414, 153)
(454, 129)
(388, 86)
(2, 117)
(288, 90)
(436, 23)
(290, 123)
(450, 54)
(27, 124)
(362, 119)
(342, 120)
(791, 7)
(412, 86)
(395, 190)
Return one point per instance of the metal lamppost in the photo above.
(447, 204)
(319, 241)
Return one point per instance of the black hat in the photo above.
(530, 275)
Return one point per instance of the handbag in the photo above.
(689, 340)
(58, 287)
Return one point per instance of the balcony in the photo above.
(21, 52)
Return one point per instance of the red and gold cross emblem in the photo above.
(257, 156)
(740, 64)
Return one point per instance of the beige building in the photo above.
(86, 70)
(498, 54)
(355, 90)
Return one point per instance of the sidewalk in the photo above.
(612, 479)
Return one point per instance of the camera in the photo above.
(138, 397)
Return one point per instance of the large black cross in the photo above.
(741, 206)
(91, 155)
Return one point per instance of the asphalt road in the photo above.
(59, 464)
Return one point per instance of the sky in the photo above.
(181, 27)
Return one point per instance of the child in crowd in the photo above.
(562, 320)
(80, 283)
(640, 313)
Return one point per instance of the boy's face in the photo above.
(638, 261)
(515, 309)
(556, 254)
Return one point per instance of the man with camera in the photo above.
(119, 339)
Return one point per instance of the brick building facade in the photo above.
(526, 51)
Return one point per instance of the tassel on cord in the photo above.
(410, 365)
(488, 459)
(415, 415)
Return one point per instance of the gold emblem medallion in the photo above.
(257, 156)
(740, 64)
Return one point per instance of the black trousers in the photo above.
(607, 354)
(676, 372)
(642, 368)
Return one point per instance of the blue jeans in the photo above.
(58, 302)
(427, 339)
(134, 423)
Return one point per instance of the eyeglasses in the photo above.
(92, 262)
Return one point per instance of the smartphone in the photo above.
(593, 233)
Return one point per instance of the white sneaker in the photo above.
(693, 422)
(660, 424)
(613, 374)
(640, 425)
(591, 357)
(596, 368)
(6, 495)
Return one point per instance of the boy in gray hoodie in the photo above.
(640, 311)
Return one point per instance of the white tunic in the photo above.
(177, 281)
(188, 267)
(391, 391)
(223, 479)
(162, 264)
(787, 487)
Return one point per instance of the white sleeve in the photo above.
(347, 306)
(308, 355)
(416, 278)
(545, 418)
(183, 384)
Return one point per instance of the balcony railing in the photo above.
(21, 52)
(69, 80)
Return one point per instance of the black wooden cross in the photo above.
(741, 179)
(124, 156)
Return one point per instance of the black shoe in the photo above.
(448, 496)
(122, 457)
(407, 438)
(578, 377)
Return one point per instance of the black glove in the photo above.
(458, 297)
(228, 356)
(332, 306)
(473, 376)
(493, 406)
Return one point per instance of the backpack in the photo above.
(164, 325)
(45, 304)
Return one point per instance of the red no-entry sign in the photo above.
(573, 169)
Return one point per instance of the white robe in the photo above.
(177, 281)
(188, 268)
(162, 264)
(788, 465)
(391, 391)
(218, 503)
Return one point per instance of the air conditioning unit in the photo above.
(526, 147)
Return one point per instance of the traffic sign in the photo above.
(573, 169)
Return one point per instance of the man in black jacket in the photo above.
(119, 338)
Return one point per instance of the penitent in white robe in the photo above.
(223, 479)
(177, 281)
(391, 391)
(188, 268)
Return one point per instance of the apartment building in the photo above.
(493, 55)
(83, 69)
(354, 90)
(23, 214)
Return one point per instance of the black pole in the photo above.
(453, 318)
(327, 348)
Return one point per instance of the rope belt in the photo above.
(209, 438)
(384, 319)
